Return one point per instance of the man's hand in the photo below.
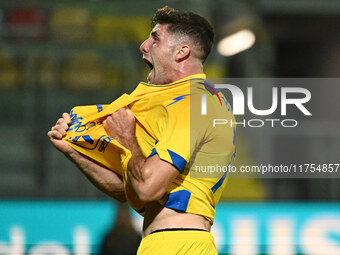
(104, 179)
(58, 132)
(149, 177)
(121, 125)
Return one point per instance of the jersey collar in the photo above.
(200, 76)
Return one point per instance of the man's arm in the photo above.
(149, 177)
(104, 179)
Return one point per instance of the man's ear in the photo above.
(182, 52)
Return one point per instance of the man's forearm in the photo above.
(104, 179)
(149, 177)
(140, 175)
(136, 176)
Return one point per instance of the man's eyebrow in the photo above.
(154, 33)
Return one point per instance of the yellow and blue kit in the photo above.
(169, 123)
(177, 241)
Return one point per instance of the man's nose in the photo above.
(145, 46)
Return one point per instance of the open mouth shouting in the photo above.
(148, 62)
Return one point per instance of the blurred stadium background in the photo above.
(58, 54)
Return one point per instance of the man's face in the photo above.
(158, 53)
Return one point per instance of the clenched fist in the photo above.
(121, 125)
(58, 132)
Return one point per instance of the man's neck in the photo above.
(185, 70)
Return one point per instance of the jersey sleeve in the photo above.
(174, 143)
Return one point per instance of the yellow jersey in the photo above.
(169, 123)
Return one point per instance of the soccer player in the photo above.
(168, 137)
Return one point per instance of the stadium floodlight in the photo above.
(237, 28)
(236, 42)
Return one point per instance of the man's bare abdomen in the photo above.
(158, 217)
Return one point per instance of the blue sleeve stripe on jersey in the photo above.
(220, 181)
(178, 200)
(153, 152)
(177, 161)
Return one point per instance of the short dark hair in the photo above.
(187, 23)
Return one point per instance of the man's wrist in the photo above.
(72, 154)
